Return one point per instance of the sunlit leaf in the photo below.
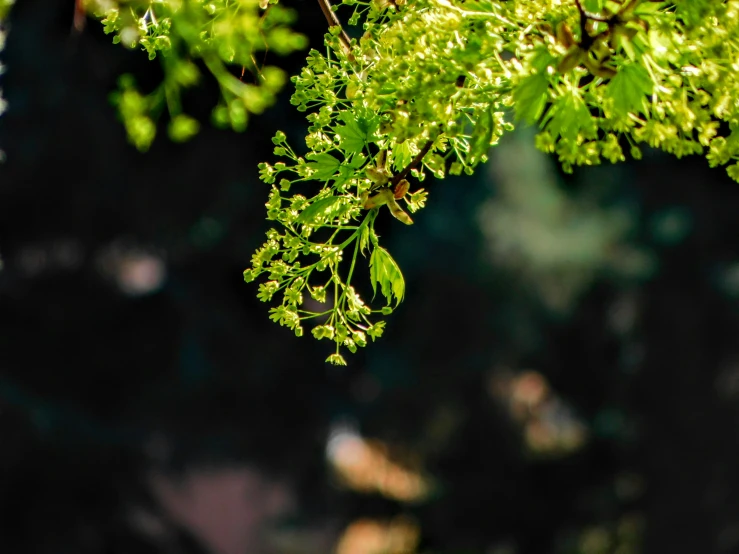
(530, 97)
(629, 89)
(385, 272)
(319, 210)
(324, 165)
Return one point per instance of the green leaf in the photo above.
(385, 272)
(629, 89)
(357, 161)
(593, 6)
(324, 166)
(345, 173)
(541, 60)
(530, 97)
(363, 239)
(319, 210)
(348, 169)
(352, 139)
(403, 154)
(357, 131)
(569, 116)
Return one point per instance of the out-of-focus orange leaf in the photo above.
(364, 466)
(367, 536)
(548, 424)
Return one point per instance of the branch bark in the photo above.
(333, 21)
(406, 170)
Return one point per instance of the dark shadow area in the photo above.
(561, 378)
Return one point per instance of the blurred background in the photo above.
(563, 376)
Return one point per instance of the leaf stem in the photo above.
(356, 233)
(351, 267)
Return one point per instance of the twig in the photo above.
(406, 170)
(333, 21)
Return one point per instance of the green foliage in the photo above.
(223, 34)
(434, 80)
(429, 87)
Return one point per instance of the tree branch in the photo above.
(406, 170)
(333, 21)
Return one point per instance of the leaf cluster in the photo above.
(428, 88)
(224, 37)
(431, 84)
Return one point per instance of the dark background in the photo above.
(148, 405)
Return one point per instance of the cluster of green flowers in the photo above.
(429, 87)
(402, 101)
(319, 229)
(223, 34)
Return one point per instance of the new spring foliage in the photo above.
(428, 88)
